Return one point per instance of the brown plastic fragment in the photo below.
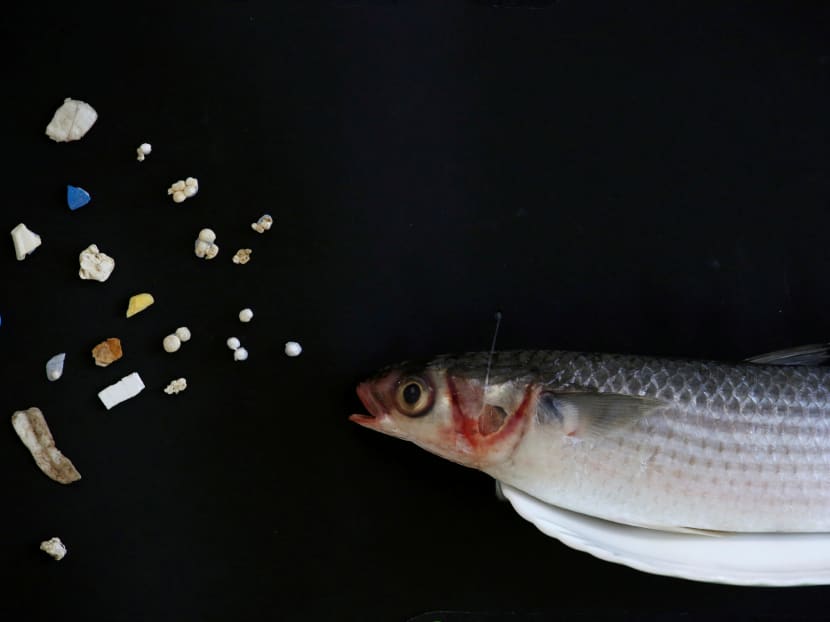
(31, 427)
(107, 352)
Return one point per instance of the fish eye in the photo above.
(414, 396)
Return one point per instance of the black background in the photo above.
(614, 176)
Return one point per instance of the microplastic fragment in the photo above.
(95, 264)
(54, 366)
(176, 386)
(243, 256)
(71, 121)
(25, 241)
(263, 224)
(31, 427)
(107, 352)
(76, 197)
(204, 247)
(54, 548)
(124, 389)
(138, 303)
(143, 150)
(182, 190)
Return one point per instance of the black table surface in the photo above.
(627, 177)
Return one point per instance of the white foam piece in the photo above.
(124, 389)
(71, 121)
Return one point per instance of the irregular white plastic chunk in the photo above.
(233, 343)
(143, 150)
(171, 343)
(246, 315)
(240, 354)
(263, 224)
(292, 348)
(95, 264)
(191, 186)
(54, 366)
(176, 386)
(71, 121)
(204, 246)
(25, 241)
(30, 425)
(243, 256)
(124, 389)
(183, 333)
(54, 547)
(182, 190)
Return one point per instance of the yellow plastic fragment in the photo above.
(138, 303)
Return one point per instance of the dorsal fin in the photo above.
(813, 354)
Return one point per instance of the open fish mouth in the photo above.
(375, 411)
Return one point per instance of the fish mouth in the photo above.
(376, 413)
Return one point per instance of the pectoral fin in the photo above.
(593, 414)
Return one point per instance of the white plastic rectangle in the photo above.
(124, 389)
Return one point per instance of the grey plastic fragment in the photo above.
(54, 366)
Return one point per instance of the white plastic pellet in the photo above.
(207, 235)
(233, 343)
(171, 343)
(292, 348)
(183, 333)
(240, 354)
(245, 315)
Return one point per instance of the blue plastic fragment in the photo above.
(77, 197)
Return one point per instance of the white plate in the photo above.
(737, 559)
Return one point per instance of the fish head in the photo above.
(457, 416)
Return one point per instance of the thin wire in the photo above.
(492, 349)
